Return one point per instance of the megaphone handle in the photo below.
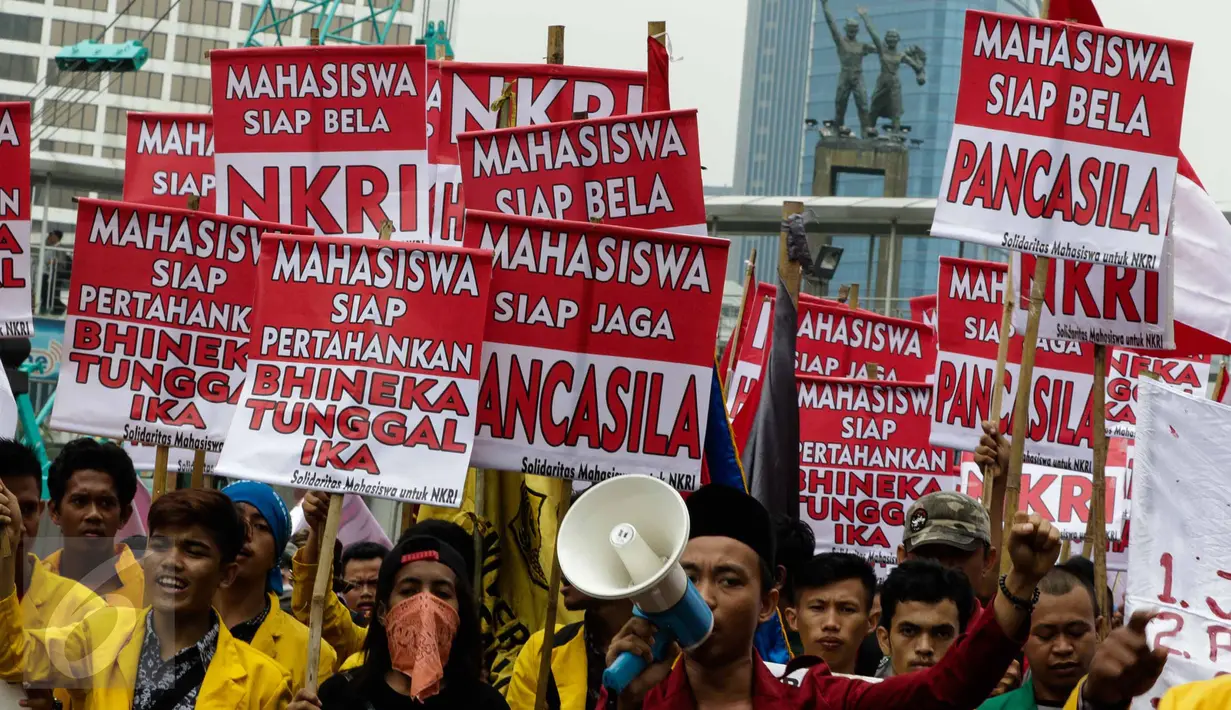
(628, 666)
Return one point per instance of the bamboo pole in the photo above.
(1096, 523)
(555, 55)
(161, 453)
(323, 585)
(1021, 408)
(853, 297)
(994, 488)
(790, 271)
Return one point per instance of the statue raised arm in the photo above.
(887, 96)
(851, 52)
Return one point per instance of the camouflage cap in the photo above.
(947, 518)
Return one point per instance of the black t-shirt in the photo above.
(340, 693)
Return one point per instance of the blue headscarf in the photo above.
(269, 504)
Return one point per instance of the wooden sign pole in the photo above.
(555, 55)
(733, 348)
(1096, 523)
(853, 297)
(993, 481)
(1021, 407)
(792, 273)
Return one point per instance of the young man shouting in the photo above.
(730, 558)
(924, 608)
(174, 655)
(832, 608)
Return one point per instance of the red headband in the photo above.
(421, 555)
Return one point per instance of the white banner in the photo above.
(1179, 560)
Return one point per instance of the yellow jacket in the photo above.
(52, 600)
(338, 628)
(96, 660)
(1203, 695)
(568, 671)
(132, 578)
(285, 640)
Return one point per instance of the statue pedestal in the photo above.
(836, 155)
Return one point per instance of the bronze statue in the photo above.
(851, 52)
(887, 96)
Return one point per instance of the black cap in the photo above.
(421, 547)
(722, 511)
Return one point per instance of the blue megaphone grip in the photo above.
(628, 666)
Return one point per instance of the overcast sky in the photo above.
(707, 40)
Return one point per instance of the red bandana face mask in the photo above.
(421, 631)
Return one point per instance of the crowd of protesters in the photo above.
(202, 617)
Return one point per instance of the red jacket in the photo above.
(962, 680)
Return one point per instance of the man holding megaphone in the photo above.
(722, 540)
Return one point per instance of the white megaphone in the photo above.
(622, 539)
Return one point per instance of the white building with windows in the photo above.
(80, 119)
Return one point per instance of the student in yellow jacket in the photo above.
(1204, 695)
(578, 654)
(249, 603)
(47, 599)
(92, 486)
(174, 654)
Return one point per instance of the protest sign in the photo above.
(968, 319)
(168, 158)
(833, 340)
(1191, 375)
(1066, 140)
(923, 309)
(363, 372)
(864, 458)
(1097, 303)
(179, 461)
(16, 300)
(1063, 497)
(462, 99)
(329, 137)
(599, 348)
(639, 171)
(1179, 562)
(158, 323)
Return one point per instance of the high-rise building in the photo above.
(771, 98)
(937, 27)
(80, 118)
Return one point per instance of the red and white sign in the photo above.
(1124, 374)
(1179, 563)
(832, 340)
(864, 458)
(1066, 140)
(156, 339)
(179, 461)
(1063, 497)
(461, 101)
(599, 348)
(923, 309)
(169, 157)
(640, 171)
(16, 301)
(333, 138)
(364, 374)
(1096, 303)
(968, 318)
